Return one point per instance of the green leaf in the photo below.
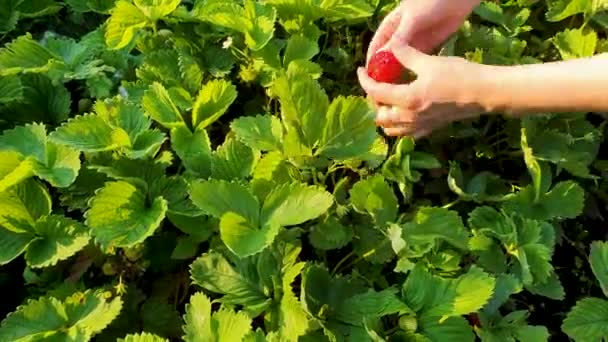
(588, 320)
(23, 204)
(214, 273)
(370, 304)
(528, 241)
(13, 243)
(242, 237)
(473, 290)
(158, 104)
(484, 186)
(59, 165)
(562, 9)
(57, 238)
(24, 54)
(194, 150)
(156, 9)
(346, 9)
(348, 130)
(330, 234)
(262, 132)
(9, 15)
(217, 197)
(212, 102)
(39, 8)
(598, 259)
(342, 304)
(44, 101)
(125, 20)
(222, 326)
(565, 200)
(14, 168)
(90, 133)
(374, 196)
(147, 144)
(142, 337)
(506, 285)
(186, 248)
(452, 329)
(81, 316)
(576, 43)
(304, 106)
(293, 204)
(29, 140)
(11, 89)
(442, 298)
(121, 216)
(299, 48)
(260, 29)
(233, 160)
(198, 319)
(431, 224)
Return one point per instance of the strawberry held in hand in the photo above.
(385, 67)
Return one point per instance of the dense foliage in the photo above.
(210, 170)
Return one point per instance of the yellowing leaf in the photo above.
(576, 43)
(473, 291)
(158, 104)
(57, 238)
(156, 9)
(14, 168)
(123, 24)
(212, 102)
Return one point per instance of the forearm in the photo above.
(558, 87)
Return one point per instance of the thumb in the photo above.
(403, 32)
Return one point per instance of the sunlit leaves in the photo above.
(83, 314)
(120, 215)
(212, 102)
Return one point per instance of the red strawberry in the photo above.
(385, 67)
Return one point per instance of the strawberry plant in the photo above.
(210, 170)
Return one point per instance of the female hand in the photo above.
(422, 24)
(446, 89)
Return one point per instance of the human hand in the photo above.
(422, 24)
(446, 89)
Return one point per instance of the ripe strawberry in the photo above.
(385, 67)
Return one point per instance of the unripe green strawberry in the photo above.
(385, 67)
(408, 323)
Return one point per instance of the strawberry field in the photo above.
(210, 170)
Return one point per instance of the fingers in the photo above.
(385, 93)
(408, 130)
(384, 32)
(387, 116)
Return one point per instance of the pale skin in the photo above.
(449, 89)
